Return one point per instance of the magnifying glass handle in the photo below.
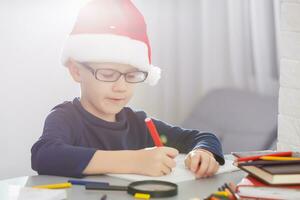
(95, 186)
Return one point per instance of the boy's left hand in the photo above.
(202, 163)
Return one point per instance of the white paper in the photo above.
(178, 174)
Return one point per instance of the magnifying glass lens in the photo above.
(153, 187)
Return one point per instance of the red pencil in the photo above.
(153, 132)
(288, 153)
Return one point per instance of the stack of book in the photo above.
(272, 175)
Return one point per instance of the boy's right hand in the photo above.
(156, 161)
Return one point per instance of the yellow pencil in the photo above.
(278, 158)
(221, 193)
(54, 186)
(141, 196)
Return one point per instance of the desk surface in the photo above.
(186, 190)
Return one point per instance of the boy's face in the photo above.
(105, 98)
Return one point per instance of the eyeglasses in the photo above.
(111, 75)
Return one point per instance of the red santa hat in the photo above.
(111, 31)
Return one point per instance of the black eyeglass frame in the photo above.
(94, 72)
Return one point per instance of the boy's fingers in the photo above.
(171, 152)
(166, 170)
(169, 162)
(203, 166)
(211, 167)
(217, 166)
(187, 162)
(195, 161)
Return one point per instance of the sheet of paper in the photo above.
(15, 192)
(179, 173)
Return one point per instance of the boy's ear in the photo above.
(74, 70)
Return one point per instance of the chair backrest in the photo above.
(243, 120)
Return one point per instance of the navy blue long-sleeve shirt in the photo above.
(72, 135)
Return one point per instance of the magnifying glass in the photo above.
(154, 188)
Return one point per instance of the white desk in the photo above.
(186, 190)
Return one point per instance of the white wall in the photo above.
(289, 95)
(32, 78)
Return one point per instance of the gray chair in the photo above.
(243, 120)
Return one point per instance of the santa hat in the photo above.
(111, 31)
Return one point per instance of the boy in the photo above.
(108, 54)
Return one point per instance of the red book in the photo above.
(252, 188)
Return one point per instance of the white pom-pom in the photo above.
(154, 74)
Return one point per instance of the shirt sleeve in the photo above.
(54, 152)
(186, 140)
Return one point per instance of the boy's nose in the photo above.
(120, 84)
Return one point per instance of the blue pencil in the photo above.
(82, 182)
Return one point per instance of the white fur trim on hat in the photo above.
(110, 48)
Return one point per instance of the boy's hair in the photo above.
(111, 31)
